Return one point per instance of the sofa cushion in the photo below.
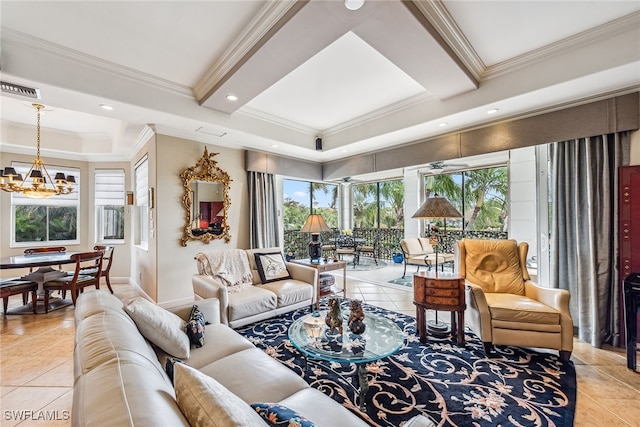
(223, 342)
(278, 415)
(411, 247)
(518, 308)
(195, 327)
(251, 301)
(289, 291)
(322, 412)
(425, 243)
(271, 267)
(161, 327)
(267, 380)
(206, 402)
(125, 392)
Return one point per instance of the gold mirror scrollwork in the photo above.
(206, 201)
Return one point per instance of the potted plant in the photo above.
(397, 255)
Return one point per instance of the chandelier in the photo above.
(40, 186)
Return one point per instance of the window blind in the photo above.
(142, 183)
(109, 187)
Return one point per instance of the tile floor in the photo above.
(36, 365)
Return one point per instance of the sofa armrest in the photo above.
(205, 287)
(304, 274)
(209, 307)
(477, 314)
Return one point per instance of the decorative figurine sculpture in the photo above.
(334, 316)
(356, 317)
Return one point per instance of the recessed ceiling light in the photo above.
(493, 111)
(443, 124)
(274, 145)
(232, 98)
(353, 4)
(106, 107)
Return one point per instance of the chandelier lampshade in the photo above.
(37, 183)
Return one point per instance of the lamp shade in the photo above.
(436, 207)
(315, 224)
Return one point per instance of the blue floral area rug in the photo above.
(452, 385)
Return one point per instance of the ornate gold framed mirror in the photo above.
(206, 201)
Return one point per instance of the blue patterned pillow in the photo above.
(195, 327)
(168, 367)
(278, 415)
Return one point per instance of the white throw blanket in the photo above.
(230, 266)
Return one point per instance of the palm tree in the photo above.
(393, 192)
(479, 184)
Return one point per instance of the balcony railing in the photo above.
(389, 243)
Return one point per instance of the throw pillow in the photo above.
(271, 267)
(278, 415)
(195, 327)
(168, 366)
(206, 402)
(161, 327)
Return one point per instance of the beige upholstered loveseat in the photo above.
(504, 306)
(418, 251)
(261, 300)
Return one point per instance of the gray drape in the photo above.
(263, 211)
(584, 235)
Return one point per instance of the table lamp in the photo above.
(315, 225)
(433, 208)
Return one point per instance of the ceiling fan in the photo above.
(440, 166)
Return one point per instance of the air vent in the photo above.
(29, 92)
(209, 131)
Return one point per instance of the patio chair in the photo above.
(373, 249)
(346, 245)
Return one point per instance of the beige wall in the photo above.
(634, 158)
(121, 269)
(175, 263)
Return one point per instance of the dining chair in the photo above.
(44, 251)
(88, 268)
(346, 245)
(373, 249)
(107, 259)
(16, 286)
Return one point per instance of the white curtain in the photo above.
(584, 236)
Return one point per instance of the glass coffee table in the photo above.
(381, 338)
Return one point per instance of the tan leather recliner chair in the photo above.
(504, 307)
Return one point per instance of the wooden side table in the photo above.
(323, 266)
(443, 292)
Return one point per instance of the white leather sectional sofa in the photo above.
(120, 377)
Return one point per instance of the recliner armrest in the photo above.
(478, 316)
(556, 298)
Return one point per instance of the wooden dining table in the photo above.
(44, 272)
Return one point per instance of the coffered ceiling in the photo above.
(390, 73)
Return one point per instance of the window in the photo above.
(46, 221)
(301, 196)
(480, 195)
(379, 204)
(142, 203)
(110, 195)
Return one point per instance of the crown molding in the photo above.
(263, 22)
(438, 15)
(24, 41)
(621, 25)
